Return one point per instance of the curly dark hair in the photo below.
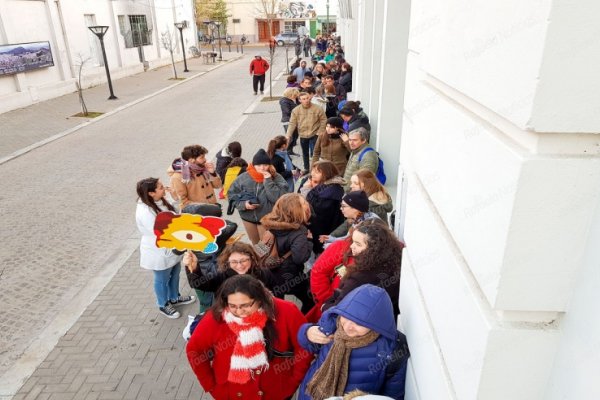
(383, 252)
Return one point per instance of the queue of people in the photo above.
(328, 244)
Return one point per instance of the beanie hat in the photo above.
(261, 158)
(357, 200)
(346, 111)
(336, 122)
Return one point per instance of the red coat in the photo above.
(278, 382)
(323, 277)
(259, 66)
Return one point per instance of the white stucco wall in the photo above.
(63, 25)
(501, 157)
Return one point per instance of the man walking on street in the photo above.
(310, 121)
(258, 69)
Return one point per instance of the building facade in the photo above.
(497, 159)
(250, 18)
(133, 42)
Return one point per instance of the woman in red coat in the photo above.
(246, 345)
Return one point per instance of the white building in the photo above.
(249, 17)
(499, 148)
(132, 42)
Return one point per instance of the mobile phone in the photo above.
(253, 202)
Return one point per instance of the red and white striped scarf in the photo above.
(249, 351)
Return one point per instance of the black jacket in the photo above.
(325, 201)
(289, 237)
(287, 105)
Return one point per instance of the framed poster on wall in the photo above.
(21, 57)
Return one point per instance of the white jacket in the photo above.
(152, 257)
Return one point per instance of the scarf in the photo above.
(331, 378)
(254, 174)
(286, 157)
(249, 351)
(189, 171)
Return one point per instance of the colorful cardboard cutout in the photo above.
(188, 231)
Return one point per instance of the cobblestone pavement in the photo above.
(71, 214)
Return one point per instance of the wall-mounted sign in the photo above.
(296, 9)
(15, 58)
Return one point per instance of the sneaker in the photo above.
(169, 311)
(255, 93)
(181, 300)
(261, 92)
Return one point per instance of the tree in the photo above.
(168, 41)
(80, 63)
(212, 10)
(220, 13)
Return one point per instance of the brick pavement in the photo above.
(120, 347)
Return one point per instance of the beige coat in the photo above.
(198, 190)
(310, 121)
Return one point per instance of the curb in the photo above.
(51, 139)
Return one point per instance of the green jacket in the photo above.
(370, 161)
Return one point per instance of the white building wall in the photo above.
(63, 24)
(502, 162)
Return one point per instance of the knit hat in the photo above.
(336, 122)
(261, 158)
(357, 200)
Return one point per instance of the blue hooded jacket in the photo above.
(378, 368)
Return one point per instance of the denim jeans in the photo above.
(166, 284)
(308, 147)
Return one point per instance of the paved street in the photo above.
(70, 241)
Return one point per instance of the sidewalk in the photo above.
(121, 347)
(26, 128)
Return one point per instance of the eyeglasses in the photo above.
(344, 206)
(238, 262)
(241, 307)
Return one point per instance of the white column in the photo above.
(394, 49)
(500, 144)
(375, 66)
(362, 71)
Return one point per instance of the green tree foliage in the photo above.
(212, 10)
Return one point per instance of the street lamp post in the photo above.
(100, 30)
(180, 26)
(327, 16)
(218, 25)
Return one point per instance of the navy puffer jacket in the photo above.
(378, 368)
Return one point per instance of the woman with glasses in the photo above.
(355, 207)
(236, 259)
(246, 346)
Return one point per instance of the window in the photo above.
(93, 42)
(135, 31)
(292, 26)
(236, 20)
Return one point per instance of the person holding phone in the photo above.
(255, 192)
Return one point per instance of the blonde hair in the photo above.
(370, 184)
(291, 93)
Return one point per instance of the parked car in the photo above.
(286, 38)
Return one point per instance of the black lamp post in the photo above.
(180, 26)
(218, 25)
(99, 31)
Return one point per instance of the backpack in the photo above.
(267, 252)
(380, 171)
